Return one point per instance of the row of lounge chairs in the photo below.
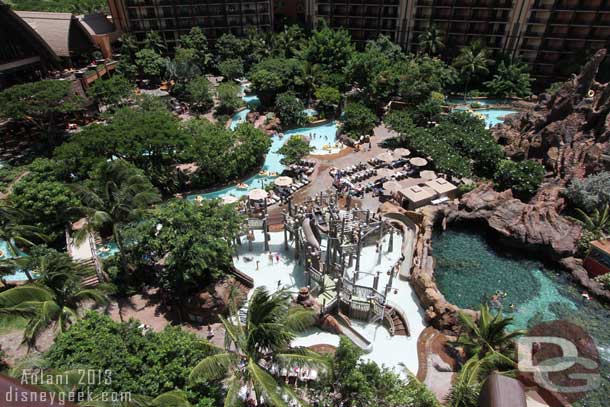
(307, 163)
(362, 175)
(277, 194)
(300, 169)
(353, 169)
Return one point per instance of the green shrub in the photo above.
(604, 280)
(522, 177)
(142, 364)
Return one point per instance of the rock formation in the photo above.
(536, 225)
(568, 131)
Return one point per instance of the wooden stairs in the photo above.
(91, 279)
(398, 326)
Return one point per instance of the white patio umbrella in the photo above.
(229, 199)
(386, 157)
(392, 186)
(402, 152)
(283, 181)
(428, 175)
(418, 162)
(385, 172)
(199, 198)
(257, 194)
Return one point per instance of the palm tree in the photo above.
(471, 61)
(253, 347)
(54, 298)
(486, 335)
(430, 41)
(14, 233)
(597, 223)
(488, 347)
(123, 195)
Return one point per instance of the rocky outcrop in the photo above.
(568, 131)
(535, 225)
(578, 272)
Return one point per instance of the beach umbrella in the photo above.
(229, 199)
(283, 181)
(386, 157)
(402, 152)
(199, 198)
(385, 172)
(257, 194)
(392, 186)
(428, 175)
(418, 162)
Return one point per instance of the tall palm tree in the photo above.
(489, 347)
(123, 194)
(472, 60)
(252, 348)
(597, 223)
(14, 233)
(54, 298)
(430, 41)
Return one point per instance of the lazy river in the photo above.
(322, 138)
(470, 269)
(4, 255)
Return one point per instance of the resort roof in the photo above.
(418, 193)
(96, 24)
(602, 245)
(502, 391)
(441, 186)
(54, 28)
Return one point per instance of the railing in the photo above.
(99, 269)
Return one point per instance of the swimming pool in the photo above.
(470, 269)
(311, 112)
(17, 276)
(322, 139)
(494, 116)
(482, 102)
(105, 251)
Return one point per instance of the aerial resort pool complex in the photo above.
(205, 205)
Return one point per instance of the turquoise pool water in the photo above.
(469, 270)
(322, 139)
(482, 102)
(311, 112)
(105, 251)
(5, 254)
(494, 116)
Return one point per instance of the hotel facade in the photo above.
(542, 33)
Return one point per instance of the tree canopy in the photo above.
(358, 120)
(187, 245)
(147, 364)
(290, 109)
(294, 149)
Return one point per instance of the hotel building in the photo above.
(173, 18)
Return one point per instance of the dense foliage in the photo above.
(222, 154)
(460, 145)
(511, 79)
(185, 246)
(200, 94)
(522, 177)
(44, 105)
(358, 120)
(290, 110)
(147, 364)
(228, 98)
(357, 383)
(591, 192)
(61, 6)
(329, 99)
(295, 149)
(273, 76)
(110, 92)
(44, 200)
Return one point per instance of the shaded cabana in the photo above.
(428, 175)
(502, 391)
(283, 181)
(417, 196)
(443, 187)
(386, 157)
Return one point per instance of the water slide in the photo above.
(310, 235)
(353, 335)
